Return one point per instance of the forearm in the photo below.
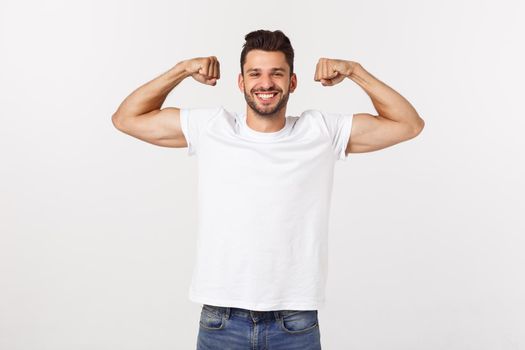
(152, 95)
(387, 101)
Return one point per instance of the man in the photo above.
(265, 183)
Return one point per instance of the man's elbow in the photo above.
(418, 127)
(414, 130)
(115, 119)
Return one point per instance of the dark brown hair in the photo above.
(268, 41)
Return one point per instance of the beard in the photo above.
(266, 111)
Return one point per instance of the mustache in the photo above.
(268, 90)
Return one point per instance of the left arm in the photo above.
(397, 120)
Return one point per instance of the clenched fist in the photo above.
(205, 70)
(331, 71)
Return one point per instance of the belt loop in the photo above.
(227, 312)
(276, 314)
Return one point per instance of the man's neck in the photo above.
(269, 123)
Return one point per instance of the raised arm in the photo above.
(397, 120)
(140, 114)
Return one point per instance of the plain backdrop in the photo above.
(98, 229)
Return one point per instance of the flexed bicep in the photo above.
(159, 127)
(374, 132)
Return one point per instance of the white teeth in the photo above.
(265, 96)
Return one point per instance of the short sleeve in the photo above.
(193, 122)
(339, 127)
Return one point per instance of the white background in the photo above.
(98, 228)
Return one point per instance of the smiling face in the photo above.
(266, 82)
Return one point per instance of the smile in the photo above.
(266, 97)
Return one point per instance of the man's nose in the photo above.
(266, 82)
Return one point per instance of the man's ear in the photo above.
(293, 82)
(240, 82)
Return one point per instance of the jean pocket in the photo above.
(211, 318)
(299, 321)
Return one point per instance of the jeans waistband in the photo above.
(254, 315)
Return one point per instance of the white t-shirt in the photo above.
(263, 207)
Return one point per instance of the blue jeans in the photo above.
(229, 328)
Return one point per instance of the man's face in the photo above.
(266, 83)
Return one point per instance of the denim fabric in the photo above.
(225, 328)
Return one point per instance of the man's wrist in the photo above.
(352, 68)
(181, 69)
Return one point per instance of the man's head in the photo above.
(267, 66)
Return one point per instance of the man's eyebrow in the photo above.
(273, 69)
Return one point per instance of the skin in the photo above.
(140, 114)
(266, 71)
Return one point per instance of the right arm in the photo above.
(140, 114)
